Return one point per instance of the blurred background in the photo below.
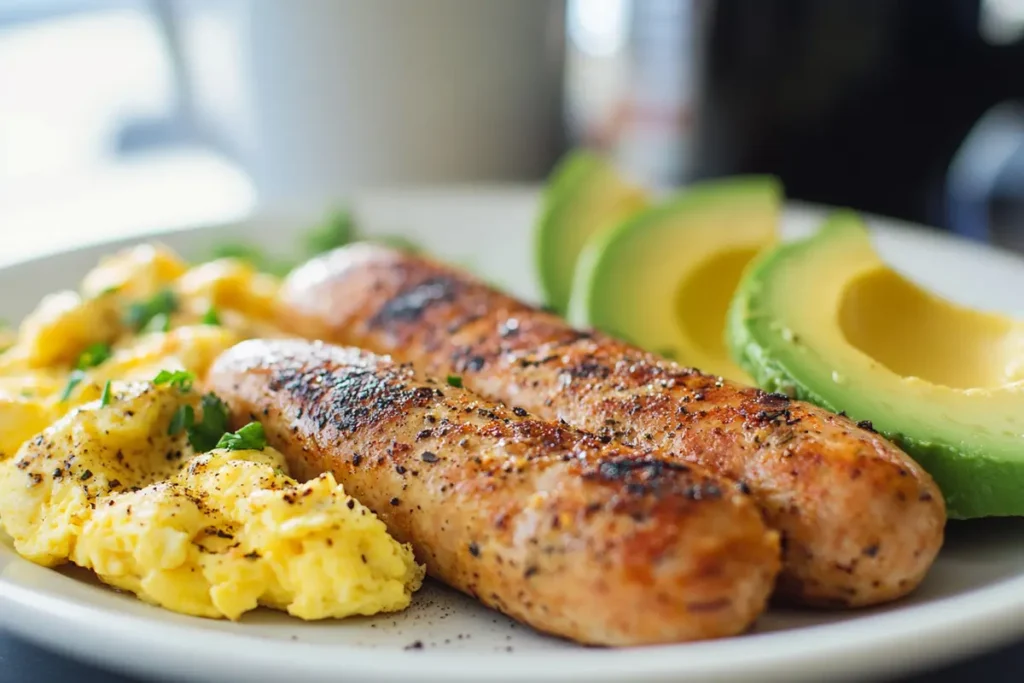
(120, 114)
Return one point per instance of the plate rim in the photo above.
(981, 617)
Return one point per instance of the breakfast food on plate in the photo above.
(664, 277)
(860, 521)
(116, 486)
(112, 459)
(826, 319)
(140, 311)
(555, 527)
(585, 196)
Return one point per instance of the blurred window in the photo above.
(94, 139)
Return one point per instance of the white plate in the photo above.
(973, 597)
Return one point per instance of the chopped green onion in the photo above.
(455, 381)
(211, 317)
(74, 380)
(105, 396)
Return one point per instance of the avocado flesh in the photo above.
(824, 319)
(584, 196)
(663, 279)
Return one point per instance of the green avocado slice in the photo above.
(826, 320)
(585, 195)
(663, 278)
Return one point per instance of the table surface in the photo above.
(21, 662)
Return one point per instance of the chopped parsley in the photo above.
(254, 256)
(184, 418)
(161, 322)
(141, 314)
(249, 437)
(336, 231)
(93, 355)
(455, 381)
(211, 317)
(74, 379)
(399, 242)
(205, 435)
(105, 396)
(182, 379)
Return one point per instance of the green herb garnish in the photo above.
(105, 396)
(211, 317)
(140, 315)
(205, 435)
(184, 418)
(182, 379)
(336, 231)
(248, 438)
(74, 380)
(161, 322)
(93, 355)
(455, 381)
(400, 243)
(254, 256)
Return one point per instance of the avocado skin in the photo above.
(973, 483)
(558, 196)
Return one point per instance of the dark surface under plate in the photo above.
(24, 663)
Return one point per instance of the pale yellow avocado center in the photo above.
(702, 303)
(914, 333)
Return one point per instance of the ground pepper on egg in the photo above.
(113, 458)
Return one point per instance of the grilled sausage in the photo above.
(861, 522)
(549, 525)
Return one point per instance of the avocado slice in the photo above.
(826, 320)
(663, 279)
(585, 195)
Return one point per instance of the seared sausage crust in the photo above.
(591, 541)
(861, 522)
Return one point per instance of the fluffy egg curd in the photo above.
(112, 457)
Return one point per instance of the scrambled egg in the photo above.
(99, 464)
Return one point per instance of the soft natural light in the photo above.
(71, 85)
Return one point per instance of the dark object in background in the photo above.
(862, 103)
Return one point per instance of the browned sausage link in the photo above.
(861, 522)
(594, 542)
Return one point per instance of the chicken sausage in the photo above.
(591, 541)
(860, 521)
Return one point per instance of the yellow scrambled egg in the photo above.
(98, 466)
